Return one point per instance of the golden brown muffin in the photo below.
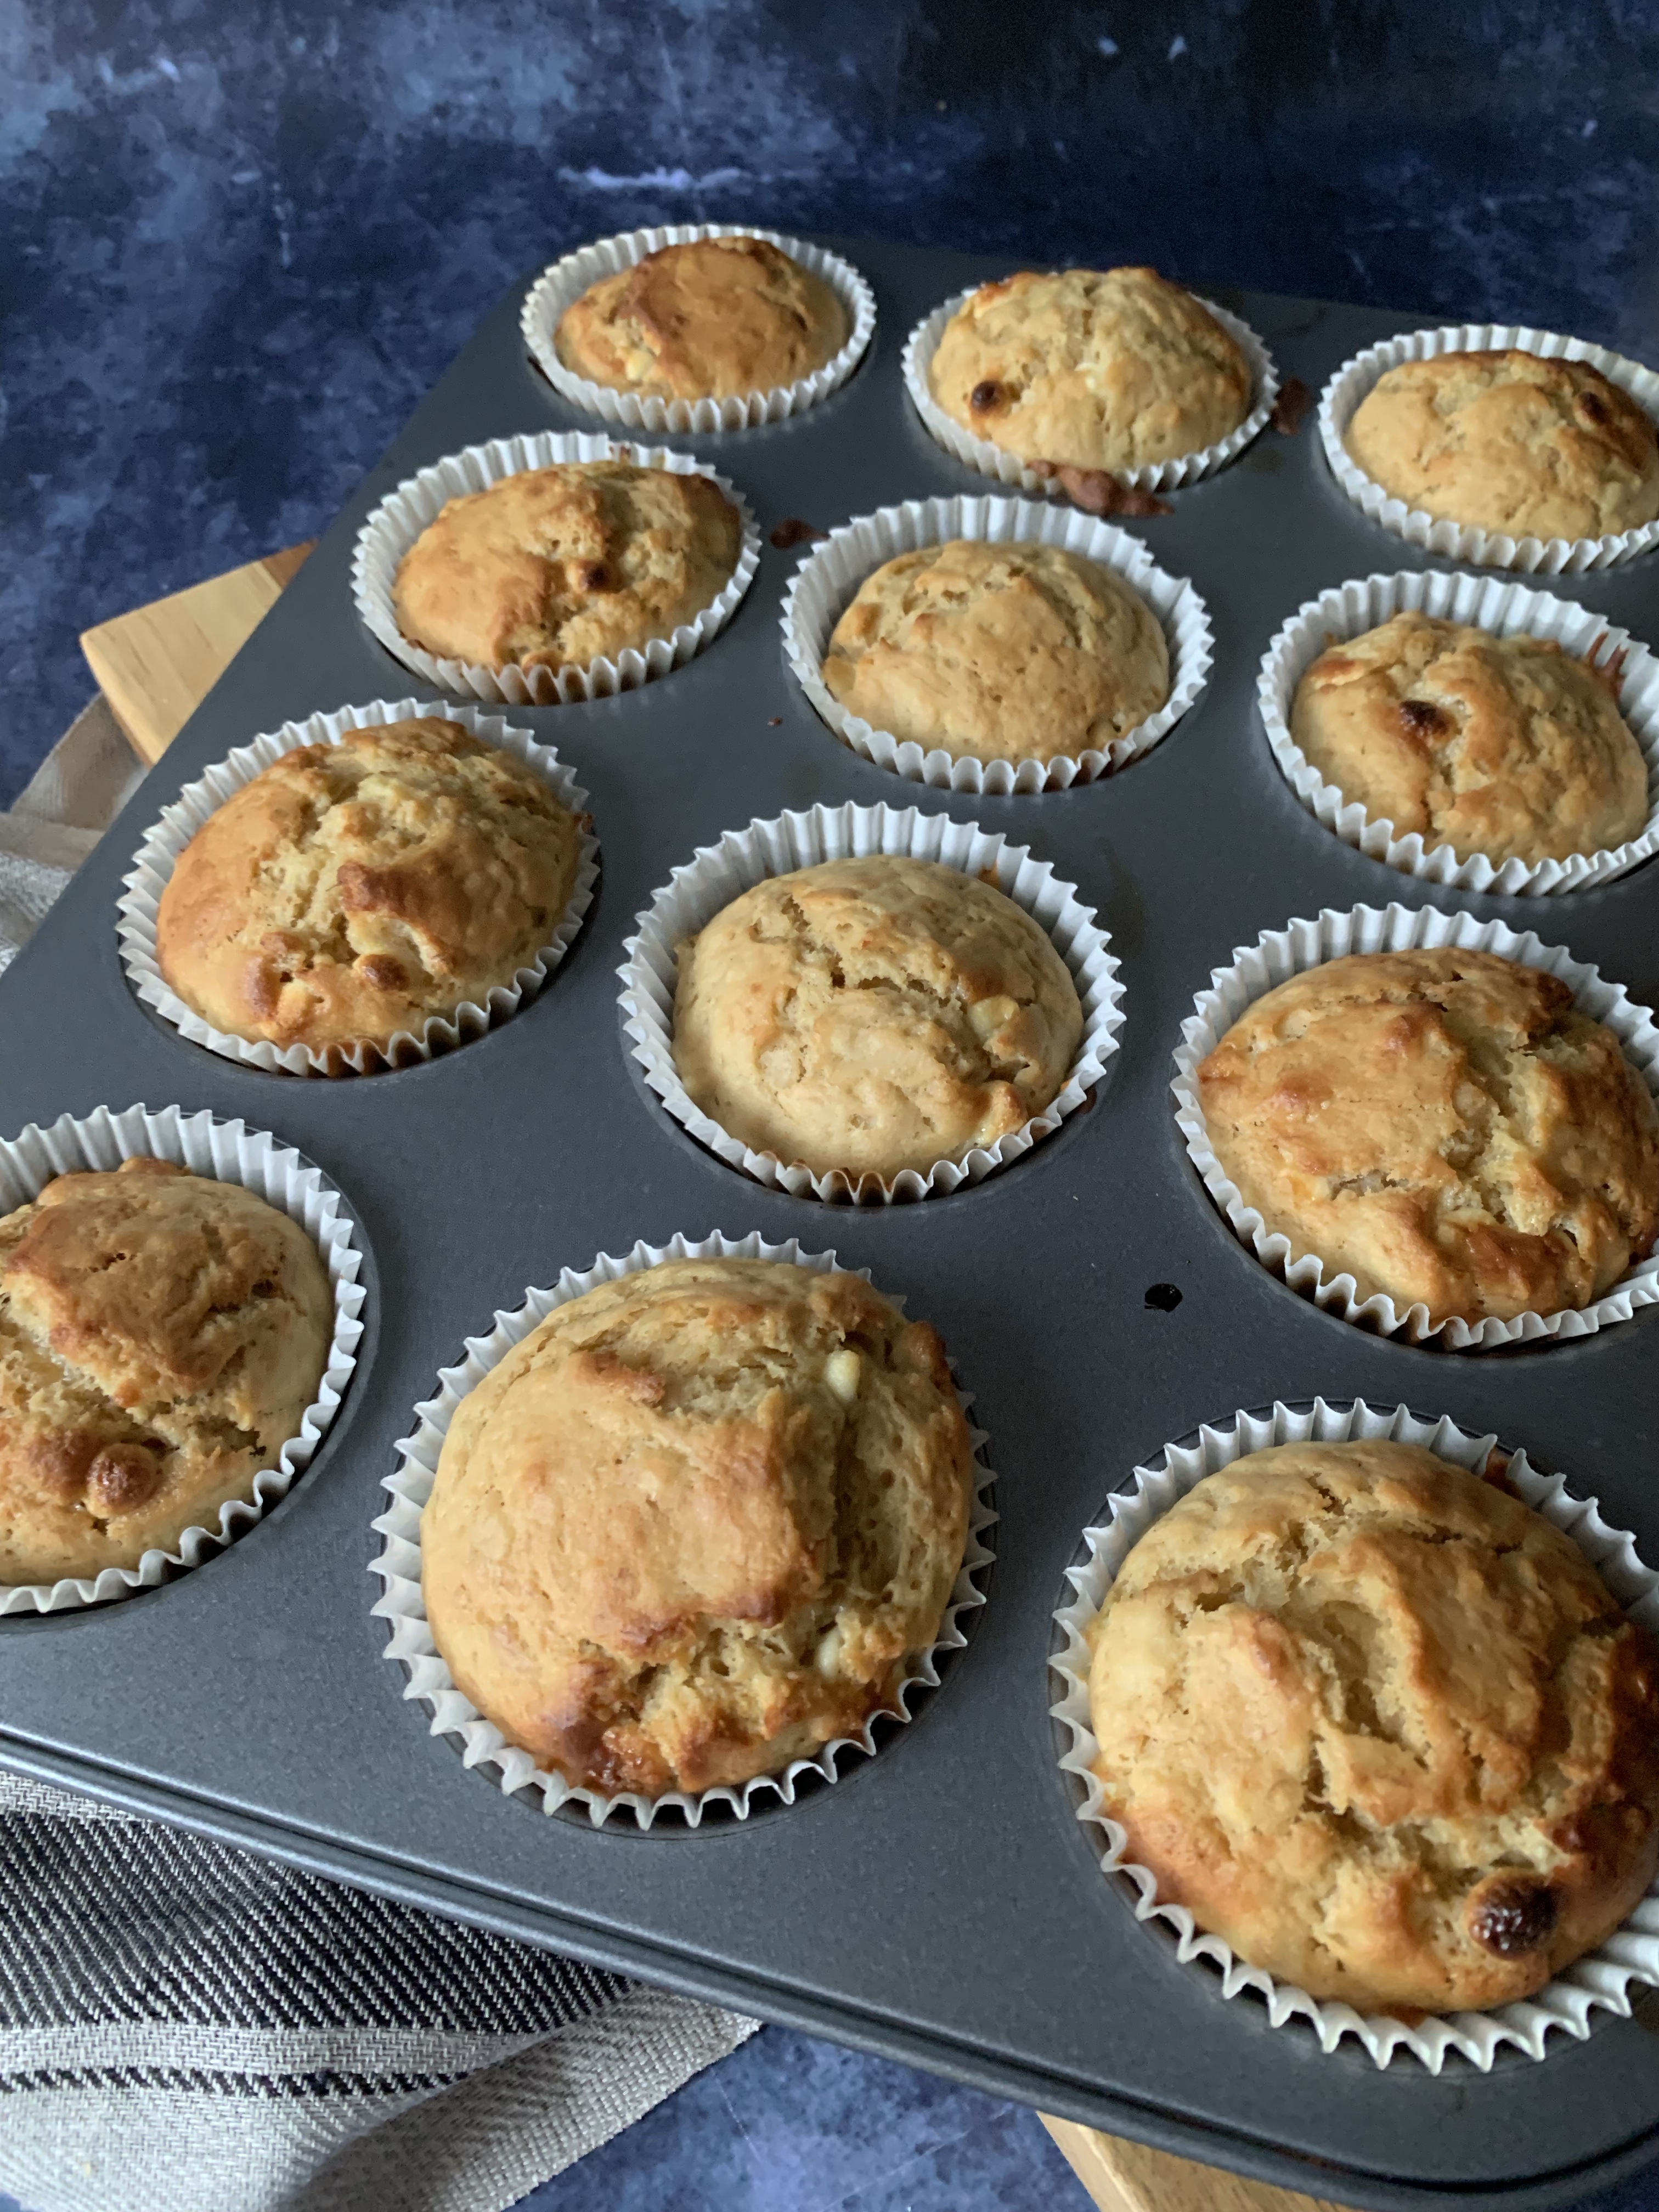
(690, 1529)
(1445, 1127)
(1092, 368)
(161, 1335)
(552, 567)
(873, 1015)
(1381, 1726)
(353, 890)
(999, 652)
(1502, 745)
(715, 319)
(1511, 442)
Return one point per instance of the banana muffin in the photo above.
(161, 1335)
(554, 567)
(353, 890)
(873, 1015)
(692, 1527)
(999, 653)
(715, 319)
(1380, 1725)
(1509, 441)
(1113, 368)
(1443, 1125)
(1502, 745)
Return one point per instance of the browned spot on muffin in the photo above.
(988, 395)
(1592, 408)
(1421, 719)
(591, 576)
(121, 1477)
(58, 1464)
(1513, 1918)
(385, 972)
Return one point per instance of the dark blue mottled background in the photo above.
(243, 241)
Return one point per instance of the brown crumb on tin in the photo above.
(1097, 491)
(792, 530)
(1290, 408)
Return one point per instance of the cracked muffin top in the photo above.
(999, 652)
(161, 1335)
(1112, 368)
(554, 567)
(1443, 1125)
(1510, 441)
(691, 1528)
(873, 1015)
(352, 892)
(1502, 745)
(1380, 1725)
(716, 319)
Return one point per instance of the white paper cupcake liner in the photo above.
(828, 577)
(718, 873)
(1455, 541)
(402, 514)
(992, 460)
(563, 284)
(409, 1644)
(158, 856)
(1279, 954)
(1599, 1981)
(1508, 611)
(230, 1153)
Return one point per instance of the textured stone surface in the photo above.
(242, 243)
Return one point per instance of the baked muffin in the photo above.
(689, 1529)
(1443, 1125)
(999, 652)
(161, 1335)
(1502, 745)
(1093, 368)
(873, 1015)
(1511, 442)
(1380, 1725)
(353, 890)
(715, 319)
(554, 567)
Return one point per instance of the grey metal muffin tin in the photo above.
(940, 1903)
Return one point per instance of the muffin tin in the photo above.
(941, 1902)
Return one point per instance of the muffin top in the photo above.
(1511, 441)
(1502, 745)
(715, 319)
(1111, 368)
(353, 890)
(554, 567)
(999, 652)
(873, 1015)
(689, 1529)
(1380, 1725)
(161, 1335)
(1443, 1125)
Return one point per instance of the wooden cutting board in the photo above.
(154, 667)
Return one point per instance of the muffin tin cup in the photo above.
(1279, 954)
(1508, 611)
(229, 1151)
(993, 460)
(158, 856)
(1456, 541)
(1599, 1981)
(719, 873)
(562, 284)
(409, 1644)
(828, 579)
(402, 514)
